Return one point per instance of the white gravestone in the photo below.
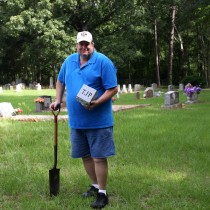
(18, 88)
(6, 110)
(124, 89)
(1, 90)
(137, 87)
(38, 87)
(86, 95)
(130, 88)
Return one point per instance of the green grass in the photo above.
(162, 160)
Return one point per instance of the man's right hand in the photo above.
(55, 106)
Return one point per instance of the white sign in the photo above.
(86, 95)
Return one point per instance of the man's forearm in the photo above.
(59, 91)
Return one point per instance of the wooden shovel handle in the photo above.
(55, 113)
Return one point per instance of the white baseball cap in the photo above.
(84, 36)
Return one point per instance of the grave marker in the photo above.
(6, 110)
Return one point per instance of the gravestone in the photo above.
(155, 92)
(6, 110)
(1, 90)
(38, 86)
(154, 87)
(51, 83)
(47, 101)
(171, 100)
(137, 95)
(130, 88)
(18, 88)
(181, 86)
(170, 87)
(148, 92)
(124, 89)
(192, 99)
(118, 88)
(137, 87)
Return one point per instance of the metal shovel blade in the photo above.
(54, 180)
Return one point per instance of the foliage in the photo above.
(195, 80)
(36, 36)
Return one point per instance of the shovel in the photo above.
(54, 173)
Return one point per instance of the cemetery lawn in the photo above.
(162, 158)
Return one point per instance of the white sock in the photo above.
(102, 191)
(95, 185)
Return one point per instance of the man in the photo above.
(92, 125)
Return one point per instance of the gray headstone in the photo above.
(181, 86)
(154, 86)
(171, 97)
(51, 83)
(6, 110)
(170, 87)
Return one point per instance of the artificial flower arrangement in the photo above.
(39, 100)
(18, 110)
(189, 90)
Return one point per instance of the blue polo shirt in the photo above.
(99, 73)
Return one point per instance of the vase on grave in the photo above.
(193, 98)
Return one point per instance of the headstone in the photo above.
(124, 89)
(47, 101)
(171, 97)
(137, 87)
(155, 92)
(11, 87)
(192, 99)
(148, 92)
(1, 90)
(154, 87)
(118, 88)
(18, 88)
(137, 95)
(171, 100)
(51, 83)
(38, 86)
(6, 110)
(170, 87)
(181, 86)
(130, 88)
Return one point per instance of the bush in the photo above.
(195, 80)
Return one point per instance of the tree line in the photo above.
(164, 42)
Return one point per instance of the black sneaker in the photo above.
(91, 192)
(101, 201)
